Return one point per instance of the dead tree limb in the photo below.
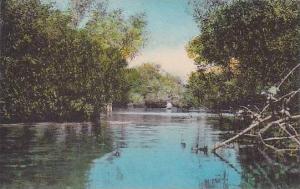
(274, 126)
(254, 125)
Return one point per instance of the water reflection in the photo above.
(49, 155)
(264, 171)
(135, 150)
(158, 154)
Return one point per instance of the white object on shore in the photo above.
(169, 105)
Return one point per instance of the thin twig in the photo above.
(293, 138)
(279, 138)
(288, 75)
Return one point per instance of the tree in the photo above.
(149, 85)
(255, 43)
(53, 71)
(119, 40)
(79, 9)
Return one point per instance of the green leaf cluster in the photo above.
(254, 43)
(53, 71)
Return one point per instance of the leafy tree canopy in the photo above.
(150, 85)
(254, 44)
(51, 70)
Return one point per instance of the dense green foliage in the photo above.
(211, 90)
(51, 70)
(152, 87)
(245, 47)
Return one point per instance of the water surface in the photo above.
(135, 150)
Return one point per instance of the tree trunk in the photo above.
(96, 115)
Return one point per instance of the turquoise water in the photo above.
(152, 156)
(133, 150)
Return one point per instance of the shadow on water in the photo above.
(50, 155)
(259, 169)
(136, 150)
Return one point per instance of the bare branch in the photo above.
(293, 138)
(280, 138)
(288, 75)
(254, 125)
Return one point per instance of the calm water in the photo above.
(135, 150)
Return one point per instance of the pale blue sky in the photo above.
(170, 27)
(170, 22)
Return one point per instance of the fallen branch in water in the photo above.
(219, 145)
(267, 126)
(273, 127)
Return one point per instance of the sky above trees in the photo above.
(170, 27)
